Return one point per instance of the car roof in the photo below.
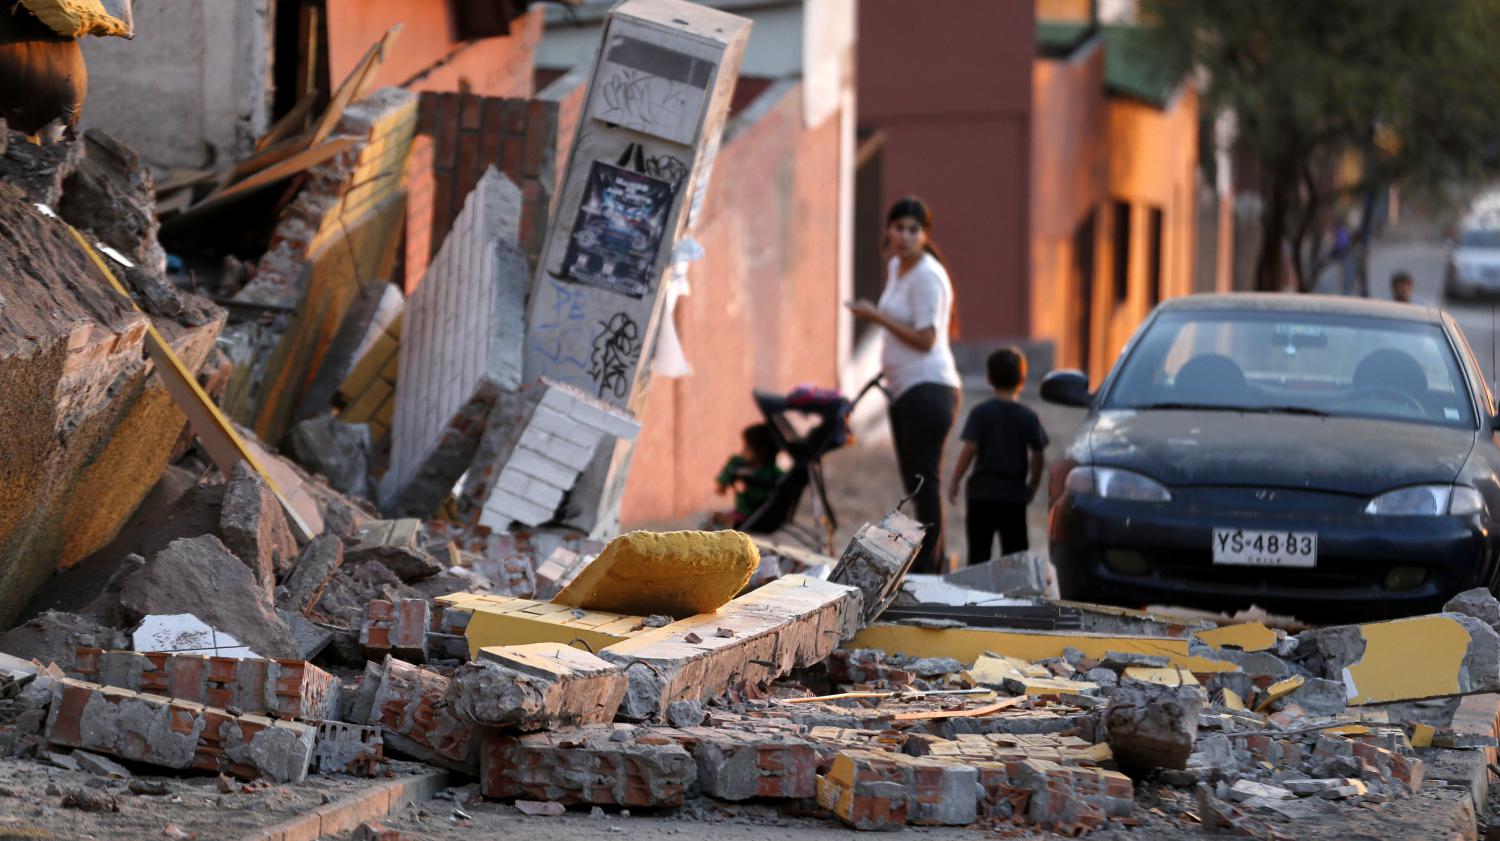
(1299, 303)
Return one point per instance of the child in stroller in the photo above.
(752, 473)
(825, 428)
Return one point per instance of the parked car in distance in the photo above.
(1473, 267)
(1328, 457)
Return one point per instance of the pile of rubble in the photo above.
(435, 574)
(656, 678)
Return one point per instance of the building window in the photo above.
(1122, 252)
(1083, 290)
(1153, 256)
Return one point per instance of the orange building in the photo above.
(1070, 207)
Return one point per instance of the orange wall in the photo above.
(489, 67)
(949, 84)
(1069, 177)
(1153, 161)
(762, 312)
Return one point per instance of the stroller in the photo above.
(828, 411)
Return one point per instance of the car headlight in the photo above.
(1427, 501)
(1114, 483)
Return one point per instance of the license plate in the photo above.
(1242, 547)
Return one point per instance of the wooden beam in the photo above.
(219, 437)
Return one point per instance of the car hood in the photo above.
(1473, 258)
(1341, 455)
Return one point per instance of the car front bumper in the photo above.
(1356, 552)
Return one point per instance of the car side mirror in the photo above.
(1068, 387)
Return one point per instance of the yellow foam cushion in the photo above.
(678, 573)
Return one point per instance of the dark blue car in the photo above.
(1323, 456)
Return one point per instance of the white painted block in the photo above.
(518, 509)
(462, 331)
(535, 464)
(532, 490)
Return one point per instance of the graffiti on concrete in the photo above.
(617, 345)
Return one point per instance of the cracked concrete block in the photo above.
(877, 558)
(1152, 726)
(176, 734)
(410, 705)
(55, 637)
(89, 426)
(608, 764)
(315, 566)
(336, 450)
(343, 748)
(39, 170)
(1320, 697)
(111, 195)
(791, 622)
(282, 688)
(679, 574)
(1406, 659)
(542, 686)
(398, 628)
(397, 545)
(1015, 575)
(255, 527)
(1479, 603)
(878, 790)
(200, 576)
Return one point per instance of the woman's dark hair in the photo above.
(760, 443)
(912, 207)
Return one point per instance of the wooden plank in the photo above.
(266, 177)
(178, 179)
(290, 124)
(969, 713)
(223, 443)
(354, 86)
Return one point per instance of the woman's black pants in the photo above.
(921, 419)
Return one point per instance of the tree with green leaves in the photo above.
(1408, 91)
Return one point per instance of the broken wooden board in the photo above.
(223, 444)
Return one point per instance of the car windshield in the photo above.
(1480, 238)
(1297, 363)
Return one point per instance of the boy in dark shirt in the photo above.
(1003, 442)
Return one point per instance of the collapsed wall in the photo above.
(87, 427)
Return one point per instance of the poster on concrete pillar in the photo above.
(618, 232)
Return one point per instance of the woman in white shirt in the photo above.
(916, 312)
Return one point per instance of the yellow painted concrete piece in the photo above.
(1279, 690)
(1038, 687)
(990, 670)
(1232, 699)
(969, 644)
(679, 573)
(1408, 659)
(1248, 636)
(1349, 730)
(1421, 735)
(1095, 753)
(1162, 676)
(499, 620)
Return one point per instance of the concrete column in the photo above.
(649, 131)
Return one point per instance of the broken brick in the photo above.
(601, 765)
(538, 686)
